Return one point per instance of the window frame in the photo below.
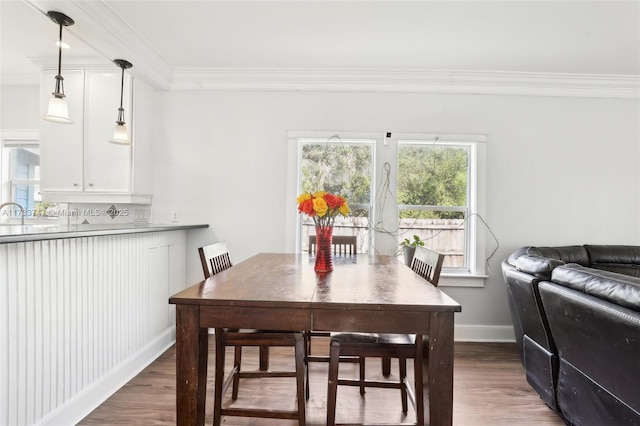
(384, 213)
(13, 139)
(15, 182)
(467, 209)
(335, 139)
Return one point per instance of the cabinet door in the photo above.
(61, 149)
(142, 122)
(107, 166)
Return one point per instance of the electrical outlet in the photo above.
(174, 216)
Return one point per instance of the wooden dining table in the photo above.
(278, 291)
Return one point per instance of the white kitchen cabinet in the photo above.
(61, 144)
(107, 166)
(77, 161)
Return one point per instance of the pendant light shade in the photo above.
(58, 111)
(120, 132)
(120, 135)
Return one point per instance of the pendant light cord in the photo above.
(121, 110)
(60, 52)
(59, 90)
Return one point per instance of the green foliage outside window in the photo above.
(432, 176)
(343, 169)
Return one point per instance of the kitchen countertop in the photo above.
(20, 233)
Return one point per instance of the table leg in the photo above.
(438, 390)
(264, 358)
(191, 366)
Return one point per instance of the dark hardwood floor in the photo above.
(490, 389)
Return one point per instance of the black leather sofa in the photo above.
(576, 317)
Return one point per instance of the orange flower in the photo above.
(333, 201)
(306, 206)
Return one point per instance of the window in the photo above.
(429, 185)
(433, 197)
(20, 158)
(25, 176)
(344, 167)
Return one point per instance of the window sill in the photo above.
(462, 280)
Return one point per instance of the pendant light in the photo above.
(58, 111)
(120, 133)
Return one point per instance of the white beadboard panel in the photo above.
(79, 317)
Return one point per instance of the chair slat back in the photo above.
(343, 245)
(428, 264)
(214, 258)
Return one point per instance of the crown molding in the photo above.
(101, 28)
(409, 81)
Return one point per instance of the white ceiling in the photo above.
(591, 37)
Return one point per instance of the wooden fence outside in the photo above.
(443, 235)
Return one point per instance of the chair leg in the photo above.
(386, 366)
(332, 391)
(418, 369)
(219, 377)
(361, 362)
(307, 352)
(402, 362)
(237, 363)
(264, 358)
(300, 378)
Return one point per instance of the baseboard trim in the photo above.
(95, 394)
(484, 333)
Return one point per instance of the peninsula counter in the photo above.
(84, 309)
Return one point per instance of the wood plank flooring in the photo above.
(490, 389)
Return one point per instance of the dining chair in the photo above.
(428, 264)
(343, 245)
(215, 259)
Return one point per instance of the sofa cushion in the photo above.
(610, 286)
(615, 258)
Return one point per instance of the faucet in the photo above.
(22, 212)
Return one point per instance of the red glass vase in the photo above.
(324, 237)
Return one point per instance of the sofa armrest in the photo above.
(600, 341)
(539, 267)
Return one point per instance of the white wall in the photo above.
(19, 106)
(560, 170)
